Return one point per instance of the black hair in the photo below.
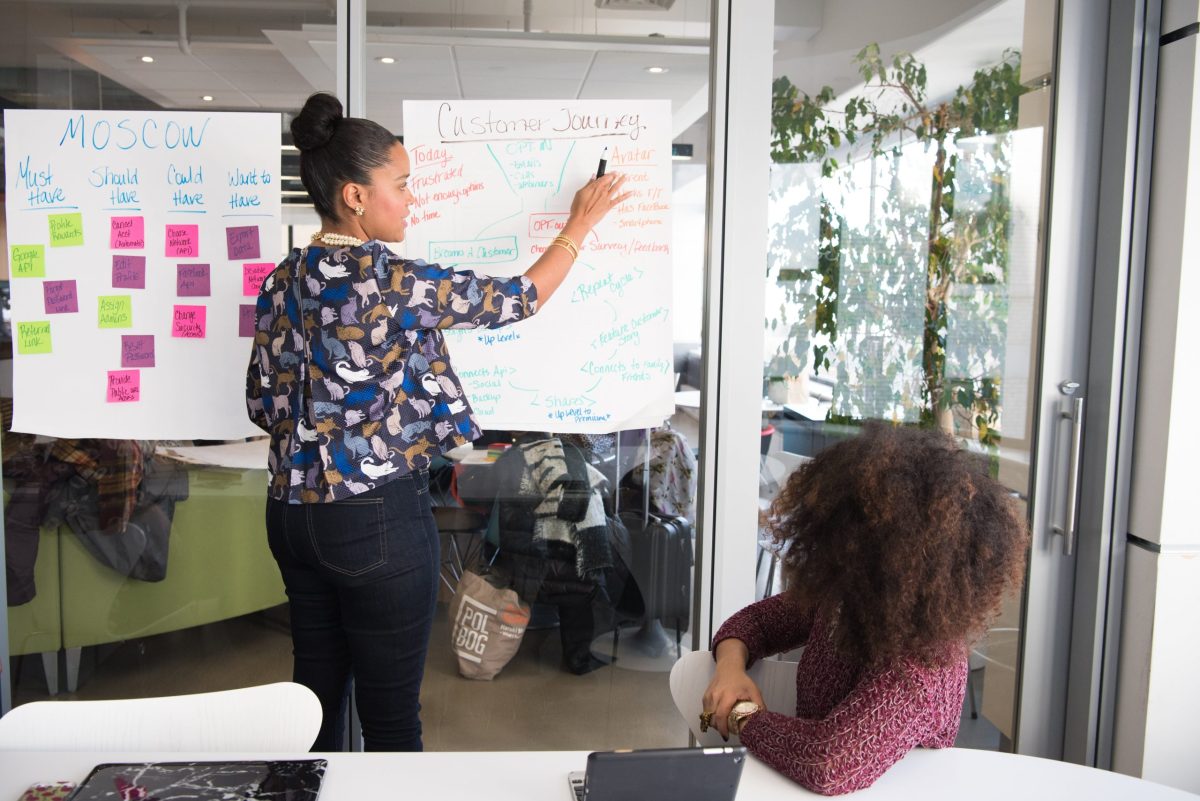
(336, 150)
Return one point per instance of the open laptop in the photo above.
(665, 774)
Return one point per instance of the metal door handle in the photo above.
(1075, 415)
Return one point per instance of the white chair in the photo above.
(690, 677)
(281, 717)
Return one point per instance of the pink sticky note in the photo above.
(61, 297)
(242, 242)
(188, 322)
(129, 272)
(245, 320)
(183, 241)
(124, 386)
(137, 350)
(126, 233)
(253, 275)
(192, 281)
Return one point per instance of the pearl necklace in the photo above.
(336, 240)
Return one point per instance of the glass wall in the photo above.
(592, 668)
(140, 567)
(909, 146)
(178, 592)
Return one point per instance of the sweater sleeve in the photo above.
(889, 713)
(770, 626)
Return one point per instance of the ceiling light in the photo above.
(148, 59)
(206, 98)
(657, 70)
(386, 60)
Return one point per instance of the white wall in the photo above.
(1157, 724)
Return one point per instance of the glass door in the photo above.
(923, 267)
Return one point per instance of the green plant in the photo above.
(920, 262)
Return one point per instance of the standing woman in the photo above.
(350, 376)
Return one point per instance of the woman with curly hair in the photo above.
(898, 550)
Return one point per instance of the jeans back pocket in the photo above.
(348, 536)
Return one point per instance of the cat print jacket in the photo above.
(362, 391)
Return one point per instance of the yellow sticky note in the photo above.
(66, 230)
(34, 337)
(115, 311)
(27, 261)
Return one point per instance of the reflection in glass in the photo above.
(903, 231)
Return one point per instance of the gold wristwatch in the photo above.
(741, 712)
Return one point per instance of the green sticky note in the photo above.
(116, 311)
(27, 261)
(34, 337)
(66, 230)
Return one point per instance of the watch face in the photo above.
(744, 708)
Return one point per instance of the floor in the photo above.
(531, 705)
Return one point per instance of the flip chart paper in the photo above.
(493, 182)
(177, 181)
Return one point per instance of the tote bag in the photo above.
(487, 624)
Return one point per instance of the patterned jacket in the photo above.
(362, 391)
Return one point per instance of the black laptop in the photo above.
(664, 774)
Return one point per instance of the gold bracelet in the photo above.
(565, 240)
(565, 247)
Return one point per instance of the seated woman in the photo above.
(899, 551)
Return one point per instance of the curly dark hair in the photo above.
(905, 541)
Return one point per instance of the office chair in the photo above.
(279, 717)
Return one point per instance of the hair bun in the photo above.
(314, 126)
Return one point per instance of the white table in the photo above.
(951, 774)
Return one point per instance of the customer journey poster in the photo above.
(137, 243)
(494, 182)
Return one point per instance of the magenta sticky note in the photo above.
(127, 233)
(253, 275)
(183, 241)
(192, 281)
(124, 386)
(61, 297)
(129, 272)
(246, 320)
(137, 350)
(242, 242)
(188, 322)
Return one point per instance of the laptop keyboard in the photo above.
(578, 787)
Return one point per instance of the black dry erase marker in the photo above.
(603, 162)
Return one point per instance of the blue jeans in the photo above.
(361, 578)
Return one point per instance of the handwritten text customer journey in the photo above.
(137, 243)
(493, 183)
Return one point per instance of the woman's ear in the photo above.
(353, 195)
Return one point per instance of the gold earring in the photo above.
(359, 210)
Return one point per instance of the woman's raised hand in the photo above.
(597, 197)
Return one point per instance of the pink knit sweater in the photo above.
(850, 724)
